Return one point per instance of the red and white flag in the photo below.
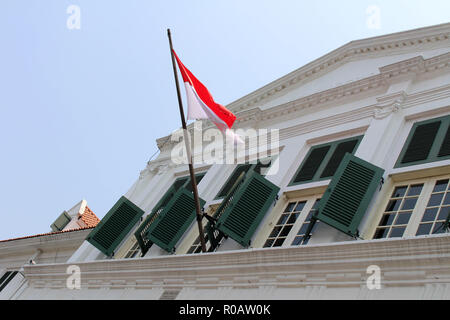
(201, 104)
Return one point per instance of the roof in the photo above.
(88, 217)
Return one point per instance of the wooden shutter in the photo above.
(60, 222)
(173, 220)
(232, 179)
(141, 232)
(115, 225)
(341, 149)
(445, 146)
(311, 164)
(420, 144)
(250, 203)
(350, 191)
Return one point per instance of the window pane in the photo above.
(399, 192)
(275, 232)
(403, 218)
(268, 243)
(297, 240)
(393, 205)
(285, 231)
(303, 228)
(438, 228)
(447, 199)
(415, 190)
(283, 219)
(409, 204)
(381, 233)
(435, 199)
(293, 217)
(387, 219)
(300, 206)
(424, 229)
(429, 214)
(441, 185)
(289, 207)
(397, 232)
(278, 242)
(443, 214)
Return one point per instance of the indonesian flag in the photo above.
(201, 104)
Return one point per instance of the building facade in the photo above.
(352, 200)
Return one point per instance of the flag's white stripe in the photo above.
(195, 102)
(197, 109)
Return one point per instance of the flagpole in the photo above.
(188, 151)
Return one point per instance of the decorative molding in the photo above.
(417, 261)
(396, 43)
(359, 89)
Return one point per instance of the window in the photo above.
(284, 224)
(134, 250)
(243, 168)
(398, 211)
(6, 278)
(289, 226)
(322, 161)
(419, 207)
(196, 247)
(302, 232)
(437, 210)
(427, 141)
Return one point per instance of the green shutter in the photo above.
(115, 225)
(421, 142)
(444, 150)
(232, 179)
(427, 141)
(338, 154)
(248, 206)
(349, 193)
(322, 160)
(173, 220)
(311, 164)
(60, 222)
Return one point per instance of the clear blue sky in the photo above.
(80, 109)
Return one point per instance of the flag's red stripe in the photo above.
(223, 113)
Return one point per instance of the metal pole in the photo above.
(188, 151)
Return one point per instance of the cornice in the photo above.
(407, 261)
(363, 88)
(396, 43)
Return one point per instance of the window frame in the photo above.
(419, 209)
(272, 223)
(437, 143)
(252, 166)
(317, 175)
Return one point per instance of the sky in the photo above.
(85, 93)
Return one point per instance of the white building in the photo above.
(365, 127)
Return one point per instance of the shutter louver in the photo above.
(116, 224)
(173, 220)
(445, 147)
(421, 142)
(349, 194)
(250, 203)
(311, 164)
(338, 154)
(230, 182)
(60, 222)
